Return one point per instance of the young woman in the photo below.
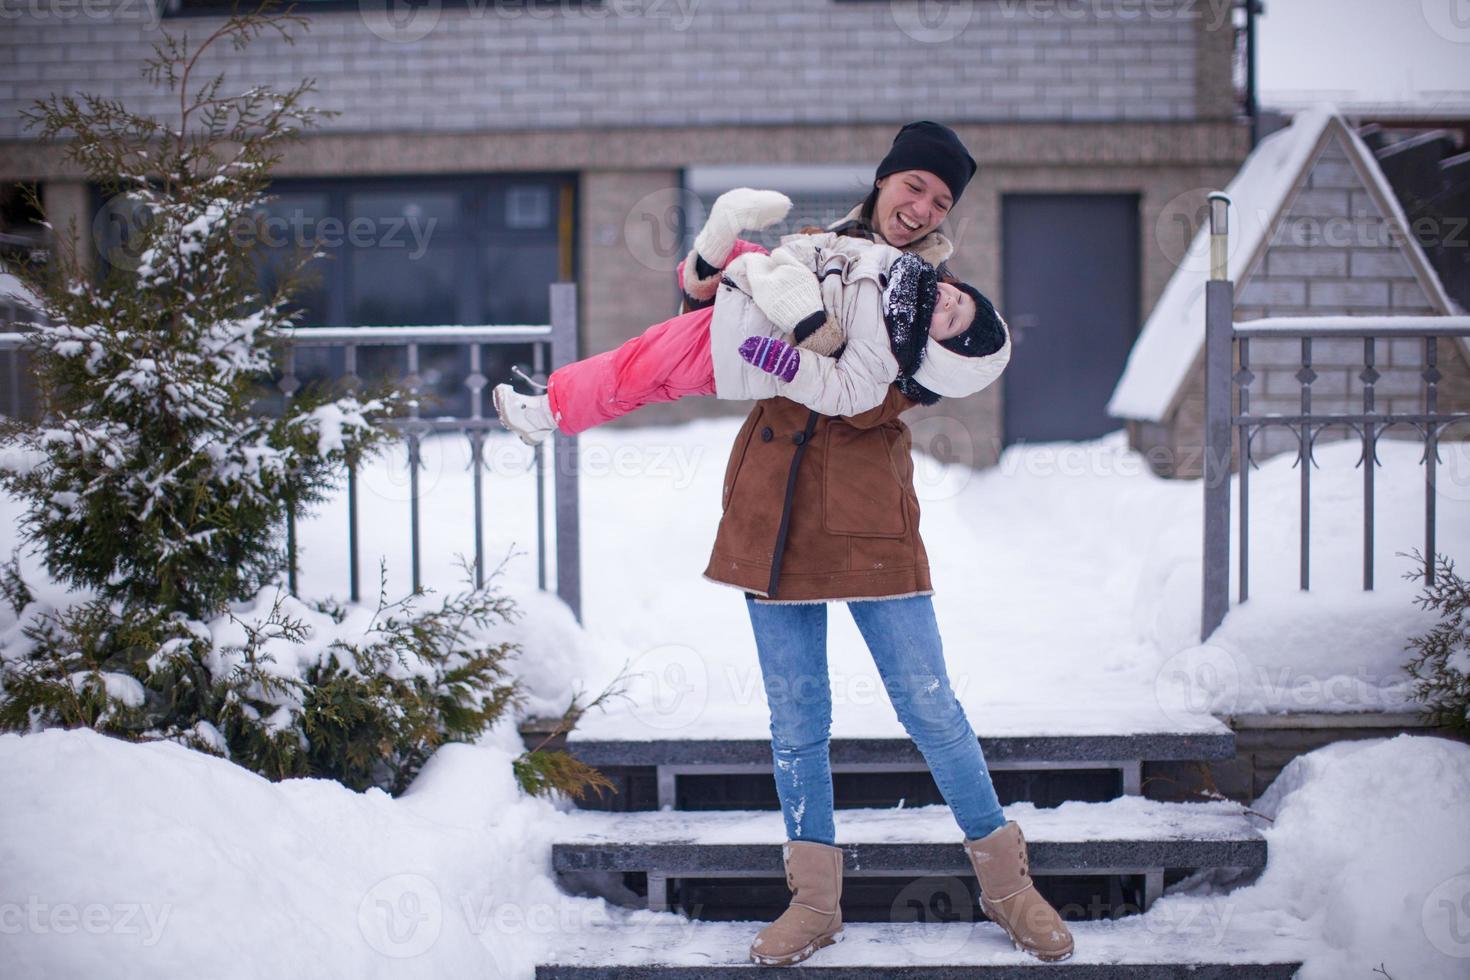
(821, 509)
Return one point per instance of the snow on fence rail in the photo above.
(553, 345)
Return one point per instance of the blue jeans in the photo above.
(903, 637)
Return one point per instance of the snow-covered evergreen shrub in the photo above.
(1441, 668)
(159, 497)
(151, 481)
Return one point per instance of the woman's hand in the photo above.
(737, 210)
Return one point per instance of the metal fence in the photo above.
(1226, 431)
(553, 345)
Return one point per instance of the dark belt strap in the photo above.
(806, 437)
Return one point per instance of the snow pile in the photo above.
(156, 860)
(1334, 647)
(1369, 856)
(133, 860)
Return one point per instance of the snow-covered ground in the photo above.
(1067, 583)
(1067, 589)
(156, 861)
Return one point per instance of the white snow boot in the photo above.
(528, 416)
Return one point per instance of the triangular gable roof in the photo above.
(1170, 347)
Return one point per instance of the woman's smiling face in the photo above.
(911, 203)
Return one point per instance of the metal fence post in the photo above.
(1219, 314)
(564, 456)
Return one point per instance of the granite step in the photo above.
(1125, 836)
(1125, 753)
(667, 947)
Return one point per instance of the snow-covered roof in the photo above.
(1173, 336)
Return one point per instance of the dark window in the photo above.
(20, 238)
(422, 251)
(416, 251)
(399, 252)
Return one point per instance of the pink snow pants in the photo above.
(664, 363)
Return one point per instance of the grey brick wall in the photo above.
(667, 62)
(626, 278)
(1334, 254)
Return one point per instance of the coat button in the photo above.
(799, 438)
(766, 434)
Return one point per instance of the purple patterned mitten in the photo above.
(772, 355)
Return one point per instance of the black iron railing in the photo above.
(1228, 433)
(552, 345)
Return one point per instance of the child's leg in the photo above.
(664, 363)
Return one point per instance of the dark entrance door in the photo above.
(1071, 297)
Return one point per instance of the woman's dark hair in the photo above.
(869, 203)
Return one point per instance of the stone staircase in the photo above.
(695, 829)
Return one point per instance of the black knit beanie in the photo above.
(986, 334)
(926, 145)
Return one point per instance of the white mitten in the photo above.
(790, 296)
(737, 210)
(786, 294)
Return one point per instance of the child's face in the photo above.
(954, 311)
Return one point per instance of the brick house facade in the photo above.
(621, 99)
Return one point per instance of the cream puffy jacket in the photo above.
(853, 274)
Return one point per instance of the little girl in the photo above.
(826, 320)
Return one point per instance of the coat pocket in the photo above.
(737, 457)
(862, 494)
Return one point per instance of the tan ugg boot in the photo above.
(1009, 897)
(814, 917)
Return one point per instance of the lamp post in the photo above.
(1219, 314)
